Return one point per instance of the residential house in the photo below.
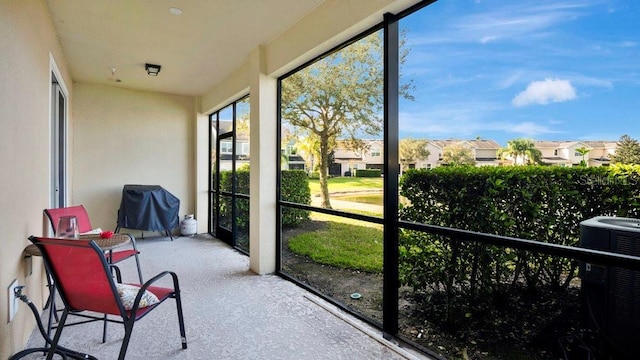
(565, 153)
(601, 152)
(560, 153)
(484, 151)
(371, 156)
(345, 160)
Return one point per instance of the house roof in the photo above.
(554, 159)
(564, 144)
(475, 143)
(601, 144)
(342, 154)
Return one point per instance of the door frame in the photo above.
(59, 137)
(222, 232)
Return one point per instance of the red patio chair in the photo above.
(84, 281)
(84, 225)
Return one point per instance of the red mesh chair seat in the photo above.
(85, 282)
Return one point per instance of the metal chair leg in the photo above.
(128, 329)
(104, 329)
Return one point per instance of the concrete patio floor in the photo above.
(230, 313)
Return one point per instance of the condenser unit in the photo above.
(610, 294)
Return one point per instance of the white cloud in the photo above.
(531, 129)
(488, 39)
(509, 80)
(518, 20)
(629, 44)
(544, 92)
(469, 119)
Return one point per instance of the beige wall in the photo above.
(27, 38)
(130, 137)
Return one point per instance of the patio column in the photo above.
(202, 132)
(263, 131)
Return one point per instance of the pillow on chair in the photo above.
(128, 295)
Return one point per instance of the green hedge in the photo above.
(368, 172)
(242, 206)
(538, 203)
(295, 188)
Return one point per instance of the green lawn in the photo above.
(343, 184)
(342, 245)
(373, 199)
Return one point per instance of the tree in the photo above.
(583, 151)
(412, 150)
(309, 148)
(457, 154)
(627, 151)
(522, 151)
(338, 97)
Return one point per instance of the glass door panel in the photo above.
(230, 174)
(226, 174)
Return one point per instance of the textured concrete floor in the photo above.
(230, 313)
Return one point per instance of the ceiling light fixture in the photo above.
(175, 11)
(152, 69)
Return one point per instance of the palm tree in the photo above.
(583, 151)
(522, 151)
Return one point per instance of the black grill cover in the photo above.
(148, 207)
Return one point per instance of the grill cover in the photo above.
(148, 207)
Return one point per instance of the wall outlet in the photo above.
(13, 299)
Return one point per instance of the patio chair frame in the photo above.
(84, 225)
(59, 265)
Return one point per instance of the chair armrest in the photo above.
(145, 286)
(133, 241)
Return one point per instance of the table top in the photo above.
(105, 244)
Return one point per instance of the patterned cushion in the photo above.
(128, 295)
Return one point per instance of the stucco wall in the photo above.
(27, 40)
(129, 137)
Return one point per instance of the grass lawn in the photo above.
(342, 244)
(373, 199)
(345, 184)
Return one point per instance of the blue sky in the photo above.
(504, 69)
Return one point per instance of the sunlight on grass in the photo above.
(344, 220)
(373, 199)
(345, 184)
(343, 245)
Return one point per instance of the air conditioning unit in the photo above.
(611, 295)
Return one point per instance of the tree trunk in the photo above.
(324, 172)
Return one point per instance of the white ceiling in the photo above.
(197, 49)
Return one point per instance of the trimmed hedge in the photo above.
(538, 203)
(295, 188)
(368, 172)
(242, 207)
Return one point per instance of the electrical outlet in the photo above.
(13, 299)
